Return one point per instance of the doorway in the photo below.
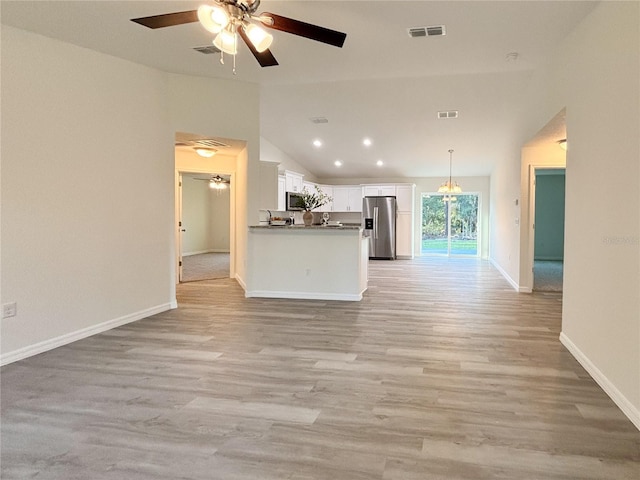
(548, 192)
(450, 224)
(204, 226)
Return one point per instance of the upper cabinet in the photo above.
(293, 181)
(379, 190)
(405, 197)
(347, 198)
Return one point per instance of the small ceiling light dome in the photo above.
(367, 142)
(317, 143)
(338, 163)
(259, 37)
(213, 18)
(226, 42)
(379, 163)
(206, 152)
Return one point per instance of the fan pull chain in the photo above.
(235, 47)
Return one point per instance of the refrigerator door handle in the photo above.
(375, 222)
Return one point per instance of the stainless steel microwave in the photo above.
(294, 202)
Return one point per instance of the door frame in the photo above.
(178, 217)
(528, 277)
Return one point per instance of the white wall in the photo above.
(597, 79)
(205, 217)
(219, 201)
(196, 216)
(595, 76)
(228, 109)
(85, 243)
(270, 153)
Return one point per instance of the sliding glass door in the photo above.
(449, 224)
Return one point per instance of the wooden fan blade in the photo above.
(168, 19)
(303, 29)
(265, 59)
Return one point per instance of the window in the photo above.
(449, 225)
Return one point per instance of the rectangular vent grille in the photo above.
(448, 114)
(431, 31)
(207, 49)
(209, 142)
(319, 120)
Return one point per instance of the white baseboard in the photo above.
(241, 282)
(304, 295)
(511, 281)
(67, 338)
(609, 388)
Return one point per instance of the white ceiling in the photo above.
(383, 84)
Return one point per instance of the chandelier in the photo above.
(450, 187)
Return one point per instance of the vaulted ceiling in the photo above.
(383, 84)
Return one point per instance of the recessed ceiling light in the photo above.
(337, 163)
(317, 143)
(366, 142)
(379, 163)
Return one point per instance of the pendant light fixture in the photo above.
(449, 187)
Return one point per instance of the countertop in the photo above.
(311, 227)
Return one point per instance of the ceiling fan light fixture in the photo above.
(213, 18)
(206, 152)
(259, 37)
(226, 42)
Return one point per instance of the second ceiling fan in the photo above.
(229, 19)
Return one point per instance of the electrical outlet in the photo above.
(9, 309)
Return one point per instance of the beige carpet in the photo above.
(547, 276)
(205, 266)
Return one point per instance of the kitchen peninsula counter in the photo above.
(315, 262)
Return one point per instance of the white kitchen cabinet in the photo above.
(404, 235)
(347, 198)
(282, 193)
(405, 197)
(379, 190)
(293, 181)
(311, 187)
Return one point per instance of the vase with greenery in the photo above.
(310, 201)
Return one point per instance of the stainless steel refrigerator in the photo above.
(379, 223)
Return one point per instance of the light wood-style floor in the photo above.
(441, 372)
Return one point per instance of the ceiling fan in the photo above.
(216, 182)
(229, 19)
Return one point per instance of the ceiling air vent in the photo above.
(432, 31)
(207, 49)
(448, 114)
(318, 120)
(209, 142)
